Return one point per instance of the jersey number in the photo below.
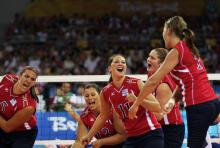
(105, 131)
(124, 109)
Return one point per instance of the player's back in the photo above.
(190, 74)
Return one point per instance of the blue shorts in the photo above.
(152, 139)
(173, 135)
(199, 117)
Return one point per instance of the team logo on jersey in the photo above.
(113, 93)
(92, 120)
(13, 101)
(124, 92)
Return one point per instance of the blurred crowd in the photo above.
(60, 45)
(80, 44)
(54, 96)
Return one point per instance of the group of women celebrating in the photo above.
(128, 113)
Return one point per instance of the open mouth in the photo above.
(148, 66)
(25, 85)
(92, 103)
(120, 69)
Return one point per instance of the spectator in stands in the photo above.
(18, 125)
(77, 100)
(49, 93)
(98, 34)
(63, 96)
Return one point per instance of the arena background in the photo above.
(72, 39)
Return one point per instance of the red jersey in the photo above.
(174, 117)
(11, 103)
(88, 118)
(145, 121)
(190, 74)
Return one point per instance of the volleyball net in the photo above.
(58, 128)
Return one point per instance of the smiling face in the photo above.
(118, 66)
(153, 62)
(26, 80)
(91, 96)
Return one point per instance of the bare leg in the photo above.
(218, 118)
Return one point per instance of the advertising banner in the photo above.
(56, 125)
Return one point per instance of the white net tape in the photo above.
(97, 78)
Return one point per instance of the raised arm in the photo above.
(73, 114)
(171, 60)
(118, 138)
(17, 120)
(100, 120)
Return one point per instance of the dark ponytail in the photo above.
(189, 37)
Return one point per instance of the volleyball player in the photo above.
(17, 109)
(172, 123)
(188, 71)
(111, 134)
(144, 131)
